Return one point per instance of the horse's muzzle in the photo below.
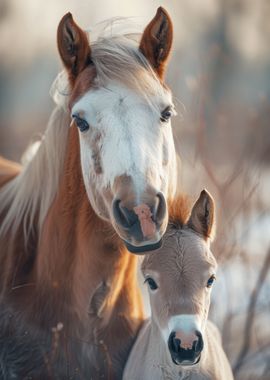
(142, 226)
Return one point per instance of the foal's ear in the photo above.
(73, 46)
(202, 218)
(156, 41)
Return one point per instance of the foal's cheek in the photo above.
(206, 304)
(159, 311)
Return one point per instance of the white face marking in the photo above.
(132, 141)
(187, 323)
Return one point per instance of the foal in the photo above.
(178, 342)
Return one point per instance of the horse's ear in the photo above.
(202, 218)
(156, 41)
(73, 46)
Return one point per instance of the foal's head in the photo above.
(122, 109)
(179, 277)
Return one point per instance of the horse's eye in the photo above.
(210, 281)
(151, 283)
(166, 114)
(81, 123)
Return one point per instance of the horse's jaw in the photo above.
(141, 250)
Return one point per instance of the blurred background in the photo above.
(220, 77)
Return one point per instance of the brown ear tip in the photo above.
(162, 11)
(207, 196)
(67, 18)
(206, 193)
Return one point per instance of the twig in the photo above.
(251, 313)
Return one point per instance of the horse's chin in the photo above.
(186, 364)
(141, 250)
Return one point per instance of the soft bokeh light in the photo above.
(219, 76)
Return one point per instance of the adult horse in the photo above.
(70, 306)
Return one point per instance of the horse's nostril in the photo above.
(124, 217)
(160, 208)
(118, 214)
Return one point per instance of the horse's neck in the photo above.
(79, 253)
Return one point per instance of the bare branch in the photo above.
(251, 313)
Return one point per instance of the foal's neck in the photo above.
(79, 253)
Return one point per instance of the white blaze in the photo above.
(133, 138)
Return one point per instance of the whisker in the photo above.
(22, 286)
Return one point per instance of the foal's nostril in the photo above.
(174, 343)
(181, 353)
(198, 344)
(159, 211)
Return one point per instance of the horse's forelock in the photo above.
(115, 59)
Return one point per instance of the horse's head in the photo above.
(122, 109)
(180, 276)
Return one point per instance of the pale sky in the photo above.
(31, 24)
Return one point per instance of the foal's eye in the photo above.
(166, 114)
(151, 283)
(210, 281)
(81, 123)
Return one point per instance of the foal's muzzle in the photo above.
(185, 356)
